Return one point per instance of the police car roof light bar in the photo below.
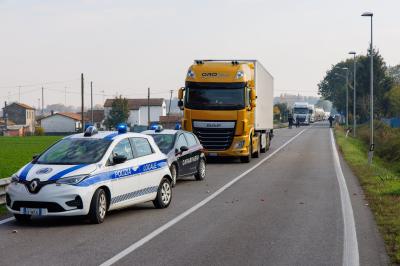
(90, 131)
(122, 128)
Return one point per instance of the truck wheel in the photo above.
(257, 153)
(98, 207)
(174, 173)
(201, 171)
(247, 159)
(22, 218)
(164, 194)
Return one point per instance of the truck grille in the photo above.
(215, 139)
(301, 119)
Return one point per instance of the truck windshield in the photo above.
(75, 151)
(217, 96)
(300, 110)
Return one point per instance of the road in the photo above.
(287, 209)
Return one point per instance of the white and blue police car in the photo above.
(89, 174)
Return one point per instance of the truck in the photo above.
(319, 114)
(311, 111)
(228, 105)
(301, 113)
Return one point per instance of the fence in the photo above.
(3, 184)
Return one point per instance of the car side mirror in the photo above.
(184, 148)
(118, 159)
(180, 104)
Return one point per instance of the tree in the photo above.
(324, 104)
(393, 98)
(333, 86)
(281, 111)
(119, 112)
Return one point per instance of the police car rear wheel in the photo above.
(98, 207)
(164, 194)
(22, 218)
(201, 171)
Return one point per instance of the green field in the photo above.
(381, 184)
(17, 151)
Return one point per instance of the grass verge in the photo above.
(381, 184)
(18, 151)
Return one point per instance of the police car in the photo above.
(89, 174)
(184, 151)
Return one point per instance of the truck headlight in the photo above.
(239, 144)
(71, 180)
(14, 178)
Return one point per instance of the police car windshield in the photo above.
(75, 151)
(164, 141)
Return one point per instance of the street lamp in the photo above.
(347, 94)
(354, 94)
(371, 54)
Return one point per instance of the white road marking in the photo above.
(350, 244)
(7, 220)
(178, 218)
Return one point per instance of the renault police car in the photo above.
(89, 174)
(184, 151)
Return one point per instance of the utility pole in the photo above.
(91, 101)
(354, 93)
(42, 101)
(5, 115)
(38, 106)
(148, 107)
(170, 101)
(347, 99)
(82, 98)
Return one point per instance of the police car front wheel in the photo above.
(164, 194)
(98, 206)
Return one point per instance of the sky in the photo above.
(124, 47)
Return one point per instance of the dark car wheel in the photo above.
(201, 170)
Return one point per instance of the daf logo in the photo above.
(213, 125)
(209, 74)
(44, 171)
(34, 186)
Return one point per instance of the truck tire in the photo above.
(264, 150)
(247, 158)
(257, 153)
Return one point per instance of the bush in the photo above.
(39, 131)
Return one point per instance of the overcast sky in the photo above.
(127, 46)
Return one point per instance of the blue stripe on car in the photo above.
(120, 173)
(25, 171)
(111, 136)
(66, 171)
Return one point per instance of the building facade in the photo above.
(21, 114)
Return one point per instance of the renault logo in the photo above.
(34, 186)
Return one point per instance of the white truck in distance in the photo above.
(301, 113)
(311, 111)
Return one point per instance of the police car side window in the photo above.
(122, 148)
(181, 141)
(142, 146)
(191, 139)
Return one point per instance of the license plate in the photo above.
(213, 154)
(34, 211)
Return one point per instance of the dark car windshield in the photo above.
(164, 141)
(75, 151)
(215, 96)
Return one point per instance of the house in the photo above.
(98, 118)
(138, 110)
(21, 114)
(170, 121)
(16, 130)
(61, 123)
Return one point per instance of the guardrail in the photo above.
(3, 184)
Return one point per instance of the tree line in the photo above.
(386, 87)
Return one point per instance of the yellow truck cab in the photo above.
(228, 104)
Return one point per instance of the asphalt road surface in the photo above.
(285, 208)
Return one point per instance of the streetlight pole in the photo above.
(354, 94)
(371, 54)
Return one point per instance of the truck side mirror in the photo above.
(180, 93)
(180, 104)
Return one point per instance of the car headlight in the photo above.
(239, 144)
(14, 178)
(71, 180)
